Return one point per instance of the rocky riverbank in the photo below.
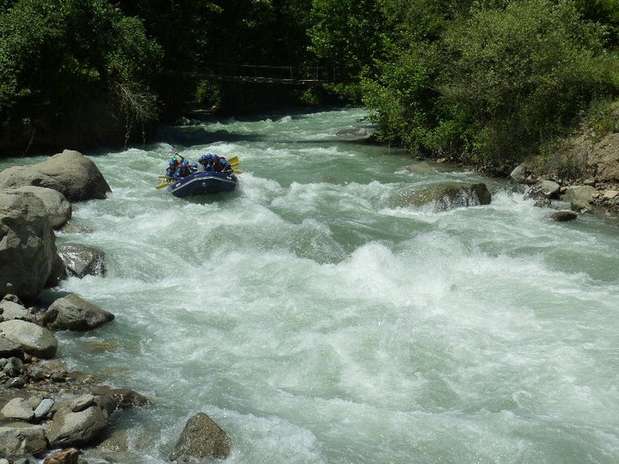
(580, 173)
(47, 411)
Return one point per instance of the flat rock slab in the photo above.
(75, 313)
(18, 409)
(31, 338)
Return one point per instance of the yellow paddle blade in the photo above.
(165, 181)
(234, 161)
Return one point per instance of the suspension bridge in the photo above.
(300, 76)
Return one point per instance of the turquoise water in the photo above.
(319, 319)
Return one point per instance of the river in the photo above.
(318, 319)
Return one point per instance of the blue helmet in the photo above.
(172, 162)
(185, 163)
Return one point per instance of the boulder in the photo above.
(75, 313)
(70, 428)
(80, 260)
(70, 173)
(9, 348)
(20, 439)
(67, 456)
(28, 258)
(522, 174)
(452, 195)
(579, 196)
(201, 439)
(563, 216)
(55, 205)
(31, 338)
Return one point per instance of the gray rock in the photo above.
(75, 313)
(82, 402)
(13, 367)
(579, 196)
(522, 175)
(70, 173)
(70, 428)
(451, 195)
(19, 439)
(81, 260)
(9, 348)
(56, 207)
(563, 216)
(113, 399)
(31, 338)
(550, 189)
(10, 310)
(44, 408)
(28, 258)
(202, 438)
(18, 409)
(17, 382)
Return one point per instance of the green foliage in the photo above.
(58, 56)
(523, 73)
(349, 33)
(491, 81)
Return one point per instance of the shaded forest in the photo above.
(486, 81)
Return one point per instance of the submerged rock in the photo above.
(30, 338)
(452, 195)
(70, 173)
(563, 216)
(75, 313)
(202, 438)
(28, 258)
(81, 260)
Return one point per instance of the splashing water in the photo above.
(318, 319)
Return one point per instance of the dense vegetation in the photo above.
(486, 80)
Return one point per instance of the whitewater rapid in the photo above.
(319, 319)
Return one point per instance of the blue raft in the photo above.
(200, 183)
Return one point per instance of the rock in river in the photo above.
(202, 438)
(451, 195)
(75, 313)
(55, 205)
(563, 216)
(31, 338)
(70, 428)
(28, 258)
(71, 173)
(81, 260)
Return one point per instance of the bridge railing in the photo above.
(307, 73)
